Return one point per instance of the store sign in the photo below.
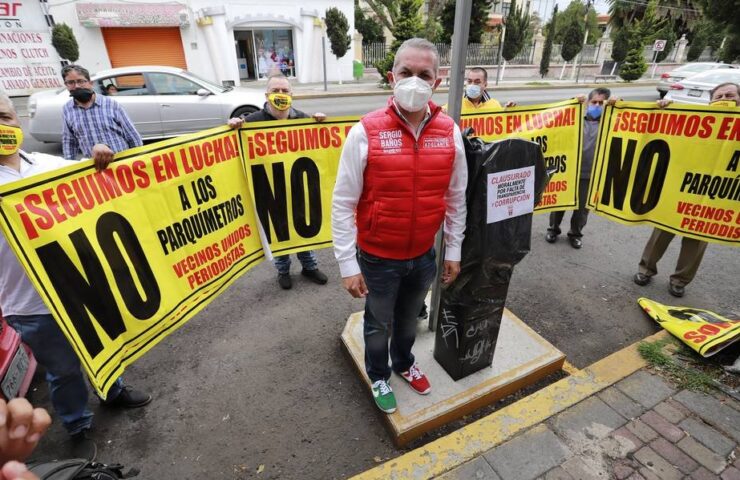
(132, 15)
(28, 61)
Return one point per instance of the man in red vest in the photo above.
(401, 175)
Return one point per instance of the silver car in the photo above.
(686, 71)
(161, 101)
(696, 89)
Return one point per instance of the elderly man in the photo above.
(26, 312)
(94, 125)
(402, 174)
(278, 106)
(692, 250)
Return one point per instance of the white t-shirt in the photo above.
(17, 294)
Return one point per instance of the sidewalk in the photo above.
(369, 86)
(614, 419)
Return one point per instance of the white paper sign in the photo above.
(510, 194)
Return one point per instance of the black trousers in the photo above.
(578, 218)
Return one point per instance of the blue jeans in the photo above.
(396, 292)
(67, 386)
(308, 260)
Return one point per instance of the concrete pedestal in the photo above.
(521, 358)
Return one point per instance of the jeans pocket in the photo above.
(369, 259)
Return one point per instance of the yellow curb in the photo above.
(472, 440)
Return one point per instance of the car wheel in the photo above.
(662, 94)
(243, 111)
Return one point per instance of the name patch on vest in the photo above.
(436, 142)
(391, 140)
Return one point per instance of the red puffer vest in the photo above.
(402, 204)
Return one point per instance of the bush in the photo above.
(337, 27)
(634, 65)
(547, 50)
(65, 43)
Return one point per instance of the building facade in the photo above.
(230, 42)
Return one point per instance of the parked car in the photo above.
(17, 363)
(696, 89)
(161, 101)
(686, 71)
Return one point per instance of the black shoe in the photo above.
(676, 290)
(284, 281)
(128, 398)
(575, 242)
(82, 446)
(551, 237)
(316, 276)
(641, 279)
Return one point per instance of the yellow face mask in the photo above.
(723, 103)
(280, 101)
(11, 139)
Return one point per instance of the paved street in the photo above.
(256, 385)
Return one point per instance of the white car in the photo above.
(685, 71)
(161, 101)
(696, 89)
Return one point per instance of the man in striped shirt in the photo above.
(94, 125)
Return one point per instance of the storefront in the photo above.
(227, 43)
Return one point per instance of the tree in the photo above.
(407, 23)
(478, 20)
(547, 50)
(725, 14)
(634, 65)
(516, 30)
(65, 43)
(622, 39)
(371, 30)
(574, 12)
(572, 40)
(337, 28)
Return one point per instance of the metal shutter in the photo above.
(144, 46)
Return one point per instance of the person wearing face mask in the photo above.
(595, 106)
(475, 95)
(94, 125)
(25, 311)
(692, 250)
(402, 174)
(279, 107)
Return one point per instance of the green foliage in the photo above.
(665, 362)
(432, 29)
(478, 19)
(547, 50)
(370, 29)
(572, 39)
(575, 13)
(666, 33)
(696, 47)
(337, 28)
(634, 65)
(622, 39)
(725, 14)
(517, 24)
(65, 43)
(407, 23)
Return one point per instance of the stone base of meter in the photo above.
(521, 358)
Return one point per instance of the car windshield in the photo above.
(214, 86)
(717, 76)
(694, 67)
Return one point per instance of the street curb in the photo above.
(366, 93)
(472, 440)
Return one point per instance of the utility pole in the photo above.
(585, 39)
(463, 10)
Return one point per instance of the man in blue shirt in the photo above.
(94, 125)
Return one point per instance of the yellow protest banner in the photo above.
(556, 127)
(677, 168)
(292, 167)
(704, 331)
(125, 256)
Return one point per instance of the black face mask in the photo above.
(81, 94)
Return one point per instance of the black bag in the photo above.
(79, 469)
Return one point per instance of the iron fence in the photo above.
(372, 52)
(477, 54)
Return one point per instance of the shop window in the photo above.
(275, 52)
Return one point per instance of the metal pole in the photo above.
(655, 64)
(323, 58)
(585, 39)
(463, 10)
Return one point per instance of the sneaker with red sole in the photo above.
(417, 380)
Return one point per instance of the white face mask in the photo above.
(412, 93)
(473, 91)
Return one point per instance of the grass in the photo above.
(537, 83)
(655, 354)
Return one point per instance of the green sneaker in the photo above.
(383, 395)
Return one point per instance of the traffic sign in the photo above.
(659, 45)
